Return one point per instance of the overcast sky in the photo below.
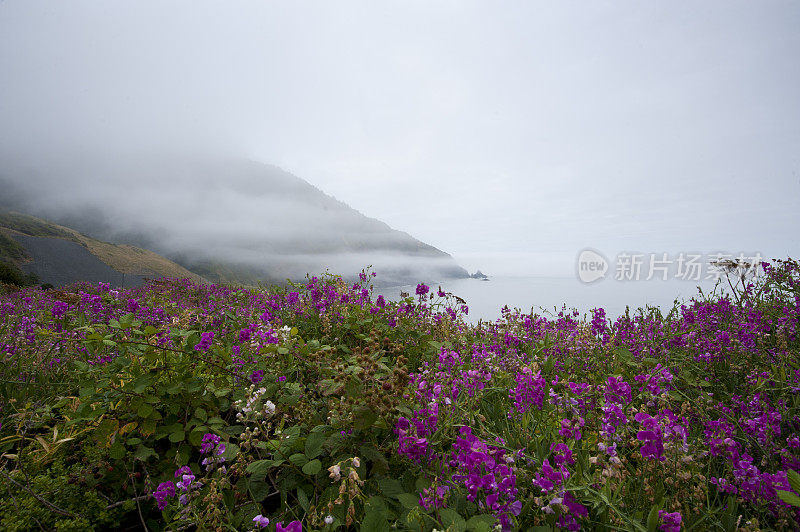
(509, 134)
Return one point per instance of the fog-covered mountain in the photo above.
(228, 220)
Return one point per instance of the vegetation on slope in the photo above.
(11, 275)
(318, 406)
(121, 257)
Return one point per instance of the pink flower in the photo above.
(261, 521)
(294, 526)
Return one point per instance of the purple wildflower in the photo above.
(294, 526)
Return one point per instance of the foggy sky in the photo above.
(511, 135)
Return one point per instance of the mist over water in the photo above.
(549, 294)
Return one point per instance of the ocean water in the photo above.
(549, 294)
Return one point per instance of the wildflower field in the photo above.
(180, 406)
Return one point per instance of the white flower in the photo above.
(269, 407)
(356, 462)
(328, 519)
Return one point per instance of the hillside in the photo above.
(228, 220)
(60, 255)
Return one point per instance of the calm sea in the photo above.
(543, 294)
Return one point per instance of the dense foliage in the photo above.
(320, 406)
(11, 275)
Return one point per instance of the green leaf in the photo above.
(259, 489)
(144, 410)
(184, 453)
(794, 480)
(142, 383)
(143, 453)
(259, 468)
(379, 462)
(789, 498)
(652, 518)
(451, 518)
(408, 500)
(231, 450)
(334, 443)
(298, 459)
(363, 417)
(148, 427)
(196, 436)
(483, 523)
(314, 444)
(302, 498)
(353, 387)
(375, 520)
(177, 436)
(117, 451)
(390, 487)
(313, 467)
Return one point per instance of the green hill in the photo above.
(52, 252)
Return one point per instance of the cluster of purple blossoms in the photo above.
(422, 289)
(413, 443)
(58, 309)
(617, 395)
(657, 380)
(719, 438)
(571, 428)
(670, 522)
(186, 484)
(651, 437)
(751, 484)
(205, 342)
(488, 475)
(529, 391)
(617, 391)
(598, 321)
(133, 305)
(167, 490)
(434, 497)
(211, 445)
(551, 481)
(164, 491)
